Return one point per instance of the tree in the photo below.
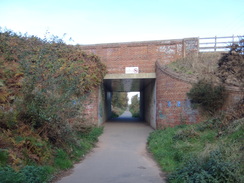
(120, 100)
(119, 103)
(135, 106)
(231, 65)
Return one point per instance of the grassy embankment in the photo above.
(211, 151)
(32, 172)
(44, 86)
(200, 153)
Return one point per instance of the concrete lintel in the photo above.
(131, 76)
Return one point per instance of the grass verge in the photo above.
(202, 152)
(62, 159)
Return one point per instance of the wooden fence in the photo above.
(220, 44)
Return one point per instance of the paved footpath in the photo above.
(120, 157)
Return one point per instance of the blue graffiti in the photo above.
(161, 115)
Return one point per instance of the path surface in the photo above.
(120, 157)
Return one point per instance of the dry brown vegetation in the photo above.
(227, 68)
(44, 85)
(200, 66)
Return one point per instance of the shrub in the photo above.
(197, 65)
(210, 124)
(185, 134)
(234, 112)
(3, 157)
(62, 160)
(231, 65)
(208, 97)
(211, 169)
(28, 174)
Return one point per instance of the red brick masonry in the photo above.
(172, 106)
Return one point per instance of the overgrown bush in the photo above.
(55, 88)
(208, 169)
(207, 96)
(197, 65)
(199, 152)
(231, 65)
(3, 157)
(210, 124)
(28, 174)
(45, 83)
(44, 88)
(185, 134)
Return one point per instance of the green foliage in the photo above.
(25, 146)
(160, 143)
(119, 103)
(8, 119)
(49, 94)
(93, 134)
(46, 82)
(44, 88)
(115, 113)
(62, 160)
(135, 106)
(3, 157)
(28, 174)
(120, 100)
(185, 134)
(208, 97)
(213, 169)
(205, 152)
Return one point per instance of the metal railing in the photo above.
(218, 44)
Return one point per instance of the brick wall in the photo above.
(173, 106)
(117, 56)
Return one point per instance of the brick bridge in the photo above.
(162, 94)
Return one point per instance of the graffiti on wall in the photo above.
(166, 109)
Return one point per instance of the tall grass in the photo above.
(200, 153)
(198, 65)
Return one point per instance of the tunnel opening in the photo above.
(125, 106)
(146, 97)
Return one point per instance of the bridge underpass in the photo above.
(141, 82)
(169, 105)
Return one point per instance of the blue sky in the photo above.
(104, 21)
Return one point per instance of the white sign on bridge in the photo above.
(131, 70)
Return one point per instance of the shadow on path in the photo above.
(126, 117)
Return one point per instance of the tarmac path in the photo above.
(120, 156)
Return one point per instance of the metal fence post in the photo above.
(215, 44)
(183, 48)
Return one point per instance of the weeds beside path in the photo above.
(61, 161)
(200, 153)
